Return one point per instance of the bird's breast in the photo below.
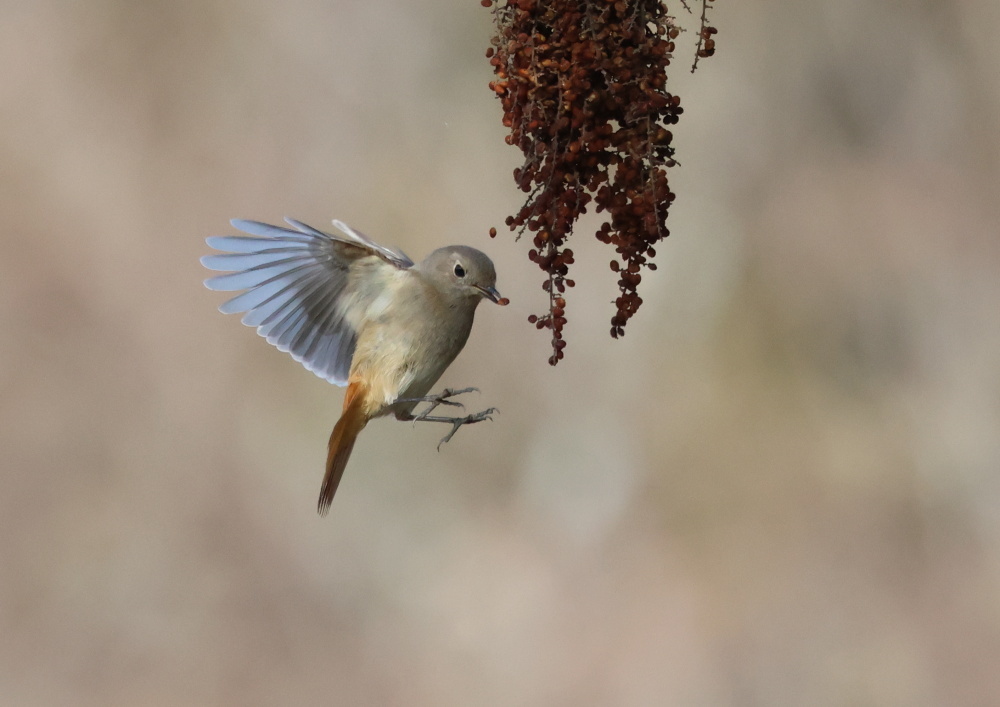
(403, 352)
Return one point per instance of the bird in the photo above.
(357, 314)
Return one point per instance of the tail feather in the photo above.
(345, 432)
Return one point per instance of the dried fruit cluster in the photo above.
(583, 88)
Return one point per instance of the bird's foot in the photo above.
(457, 422)
(437, 399)
(443, 399)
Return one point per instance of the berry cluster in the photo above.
(706, 42)
(582, 85)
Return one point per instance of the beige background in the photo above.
(781, 488)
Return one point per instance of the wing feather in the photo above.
(295, 288)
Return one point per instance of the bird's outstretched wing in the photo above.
(296, 283)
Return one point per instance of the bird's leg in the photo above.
(456, 422)
(443, 399)
(437, 399)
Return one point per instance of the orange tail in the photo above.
(345, 432)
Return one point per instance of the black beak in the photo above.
(491, 294)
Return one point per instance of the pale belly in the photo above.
(403, 362)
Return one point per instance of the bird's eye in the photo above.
(459, 270)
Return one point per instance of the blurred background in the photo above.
(781, 488)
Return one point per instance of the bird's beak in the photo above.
(491, 294)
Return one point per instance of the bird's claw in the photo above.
(442, 398)
(457, 422)
(438, 399)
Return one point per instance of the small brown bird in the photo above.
(357, 314)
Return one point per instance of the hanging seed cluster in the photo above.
(583, 89)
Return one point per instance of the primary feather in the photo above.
(294, 284)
